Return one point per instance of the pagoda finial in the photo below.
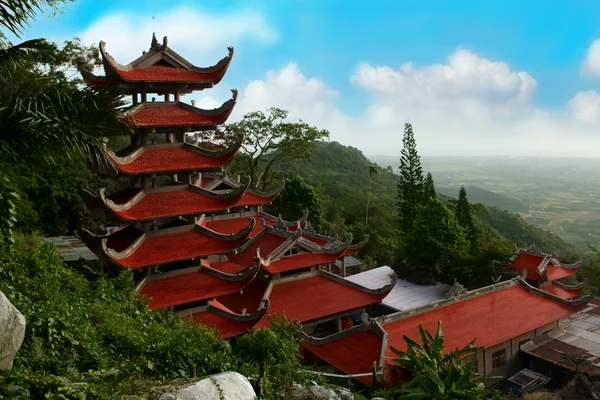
(154, 43)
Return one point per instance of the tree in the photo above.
(372, 171)
(435, 242)
(463, 214)
(297, 197)
(274, 350)
(269, 140)
(428, 186)
(436, 374)
(410, 184)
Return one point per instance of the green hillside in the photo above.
(479, 195)
(341, 176)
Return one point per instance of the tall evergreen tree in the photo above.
(410, 185)
(428, 187)
(463, 214)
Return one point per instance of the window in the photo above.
(499, 358)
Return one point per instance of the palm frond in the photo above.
(14, 14)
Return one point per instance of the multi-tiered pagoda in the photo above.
(197, 240)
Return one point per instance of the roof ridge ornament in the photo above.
(457, 290)
(154, 43)
(308, 228)
(280, 224)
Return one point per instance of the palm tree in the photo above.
(41, 110)
(372, 171)
(437, 375)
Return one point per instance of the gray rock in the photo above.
(224, 386)
(12, 332)
(316, 392)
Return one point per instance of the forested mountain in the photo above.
(341, 177)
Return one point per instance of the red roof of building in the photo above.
(226, 327)
(189, 287)
(176, 114)
(562, 292)
(250, 298)
(266, 242)
(171, 158)
(227, 267)
(148, 204)
(355, 352)
(174, 244)
(490, 318)
(252, 198)
(228, 226)
(316, 297)
(554, 272)
(302, 260)
(162, 65)
(529, 262)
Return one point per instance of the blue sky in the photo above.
(323, 44)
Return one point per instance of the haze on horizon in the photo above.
(493, 79)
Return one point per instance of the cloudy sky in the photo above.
(473, 77)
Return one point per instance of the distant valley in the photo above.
(560, 195)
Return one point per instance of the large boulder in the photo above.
(12, 332)
(224, 386)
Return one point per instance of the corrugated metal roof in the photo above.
(349, 261)
(71, 248)
(405, 295)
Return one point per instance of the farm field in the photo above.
(560, 195)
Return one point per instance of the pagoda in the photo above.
(196, 239)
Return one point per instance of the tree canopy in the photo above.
(297, 197)
(270, 139)
(410, 183)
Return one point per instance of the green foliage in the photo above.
(438, 375)
(463, 214)
(410, 184)
(275, 352)
(435, 243)
(75, 326)
(428, 186)
(269, 140)
(8, 211)
(297, 197)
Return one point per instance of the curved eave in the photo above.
(133, 209)
(576, 302)
(93, 81)
(135, 116)
(258, 198)
(355, 248)
(138, 163)
(204, 77)
(226, 322)
(123, 258)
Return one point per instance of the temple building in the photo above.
(501, 318)
(196, 239)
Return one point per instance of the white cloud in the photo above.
(591, 64)
(189, 30)
(469, 106)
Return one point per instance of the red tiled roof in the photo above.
(266, 243)
(167, 247)
(249, 299)
(228, 226)
(157, 73)
(182, 201)
(527, 261)
(321, 241)
(355, 353)
(252, 199)
(491, 318)
(302, 260)
(225, 326)
(562, 292)
(316, 297)
(147, 115)
(170, 158)
(228, 267)
(187, 288)
(554, 272)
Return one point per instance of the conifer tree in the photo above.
(463, 214)
(410, 184)
(428, 187)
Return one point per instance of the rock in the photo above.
(316, 392)
(224, 386)
(12, 332)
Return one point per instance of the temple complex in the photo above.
(201, 242)
(196, 239)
